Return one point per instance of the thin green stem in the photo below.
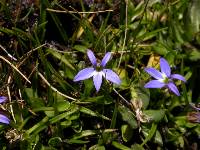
(114, 117)
(183, 86)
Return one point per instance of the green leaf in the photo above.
(128, 116)
(41, 29)
(127, 132)
(30, 93)
(177, 31)
(102, 99)
(192, 19)
(38, 127)
(66, 123)
(36, 102)
(137, 147)
(84, 133)
(55, 141)
(74, 116)
(188, 75)
(123, 74)
(44, 109)
(173, 134)
(50, 113)
(170, 57)
(194, 55)
(75, 141)
(154, 115)
(17, 110)
(62, 106)
(135, 12)
(32, 98)
(89, 86)
(80, 48)
(120, 146)
(64, 115)
(160, 48)
(97, 147)
(62, 58)
(150, 35)
(158, 138)
(149, 134)
(92, 113)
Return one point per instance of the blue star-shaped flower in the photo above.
(97, 71)
(3, 118)
(164, 78)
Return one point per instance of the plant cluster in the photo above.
(106, 74)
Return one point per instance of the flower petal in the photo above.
(154, 73)
(111, 76)
(84, 74)
(97, 79)
(171, 86)
(3, 99)
(154, 84)
(179, 77)
(105, 59)
(165, 68)
(4, 119)
(92, 58)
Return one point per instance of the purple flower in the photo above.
(3, 99)
(3, 118)
(163, 78)
(97, 71)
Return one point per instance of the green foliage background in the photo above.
(49, 39)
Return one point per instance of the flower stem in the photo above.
(183, 86)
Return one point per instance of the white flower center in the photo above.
(164, 78)
(99, 73)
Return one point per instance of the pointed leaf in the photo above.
(128, 116)
(92, 113)
(127, 132)
(154, 115)
(120, 146)
(62, 106)
(84, 133)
